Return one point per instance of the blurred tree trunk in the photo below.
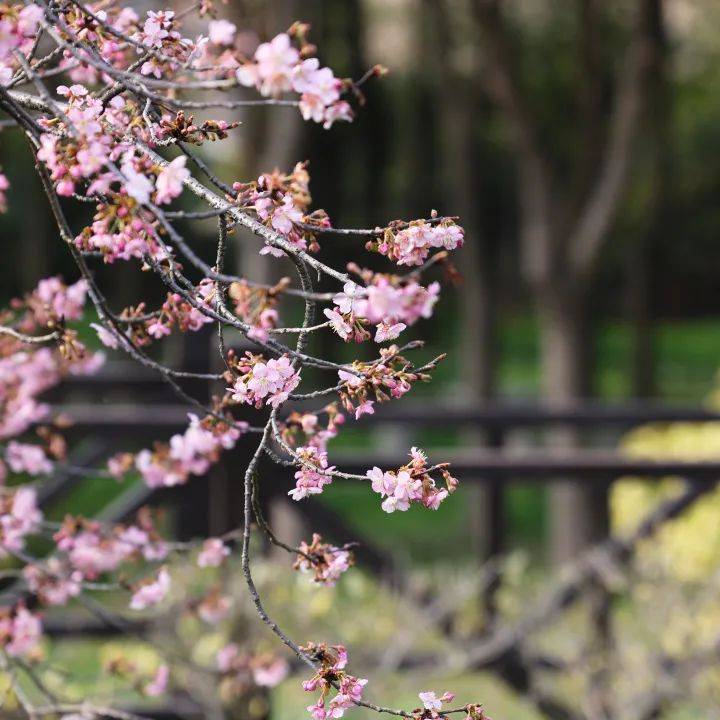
(641, 257)
(457, 108)
(565, 225)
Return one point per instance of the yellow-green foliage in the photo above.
(687, 548)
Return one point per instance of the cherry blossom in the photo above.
(31, 459)
(4, 187)
(19, 517)
(259, 382)
(20, 632)
(152, 592)
(411, 483)
(169, 183)
(222, 32)
(158, 685)
(213, 553)
(326, 561)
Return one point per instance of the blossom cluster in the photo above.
(313, 474)
(331, 676)
(159, 31)
(259, 382)
(412, 483)
(278, 66)
(28, 370)
(310, 436)
(19, 517)
(412, 244)
(20, 631)
(18, 26)
(94, 549)
(186, 454)
(282, 202)
(365, 383)
(388, 302)
(326, 561)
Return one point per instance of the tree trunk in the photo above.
(578, 511)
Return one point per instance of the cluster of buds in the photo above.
(326, 561)
(411, 243)
(159, 32)
(48, 308)
(330, 676)
(379, 381)
(184, 129)
(54, 582)
(176, 311)
(258, 382)
(412, 483)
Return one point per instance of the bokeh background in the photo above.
(529, 119)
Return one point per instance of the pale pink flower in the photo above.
(151, 593)
(213, 553)
(386, 331)
(227, 657)
(169, 184)
(271, 673)
(25, 634)
(27, 458)
(338, 323)
(158, 685)
(106, 337)
(137, 185)
(222, 32)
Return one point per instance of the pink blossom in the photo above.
(337, 111)
(18, 518)
(158, 685)
(4, 186)
(137, 185)
(106, 337)
(222, 32)
(227, 657)
(270, 673)
(27, 458)
(275, 63)
(170, 181)
(25, 633)
(364, 408)
(343, 328)
(386, 331)
(214, 552)
(151, 593)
